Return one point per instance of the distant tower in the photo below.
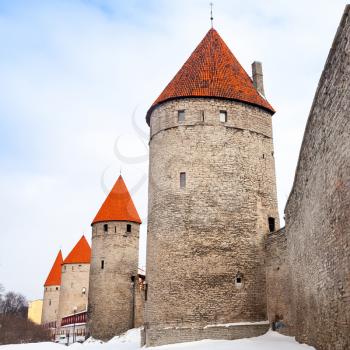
(52, 288)
(114, 261)
(212, 200)
(75, 280)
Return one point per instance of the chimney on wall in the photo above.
(258, 78)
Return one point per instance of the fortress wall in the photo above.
(189, 334)
(278, 284)
(139, 303)
(318, 209)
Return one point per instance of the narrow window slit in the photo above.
(181, 115)
(272, 227)
(223, 116)
(239, 280)
(182, 180)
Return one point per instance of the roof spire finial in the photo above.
(211, 14)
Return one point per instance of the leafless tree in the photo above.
(14, 325)
(14, 304)
(2, 289)
(17, 330)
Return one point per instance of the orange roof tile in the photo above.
(80, 254)
(212, 71)
(54, 277)
(118, 205)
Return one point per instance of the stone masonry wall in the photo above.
(139, 304)
(189, 334)
(74, 281)
(318, 209)
(111, 302)
(50, 304)
(201, 237)
(278, 284)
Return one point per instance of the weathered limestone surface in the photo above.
(278, 283)
(174, 335)
(139, 303)
(50, 304)
(113, 294)
(74, 289)
(200, 237)
(318, 209)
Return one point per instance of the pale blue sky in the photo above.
(72, 75)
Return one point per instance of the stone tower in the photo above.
(75, 280)
(114, 261)
(212, 201)
(51, 298)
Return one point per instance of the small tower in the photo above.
(114, 261)
(75, 280)
(211, 200)
(51, 298)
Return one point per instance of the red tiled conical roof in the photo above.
(118, 205)
(80, 254)
(54, 277)
(212, 71)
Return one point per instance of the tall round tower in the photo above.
(51, 298)
(212, 200)
(114, 262)
(75, 280)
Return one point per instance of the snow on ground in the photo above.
(131, 340)
(269, 341)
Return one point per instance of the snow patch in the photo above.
(131, 341)
(269, 341)
(131, 336)
(92, 340)
(236, 324)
